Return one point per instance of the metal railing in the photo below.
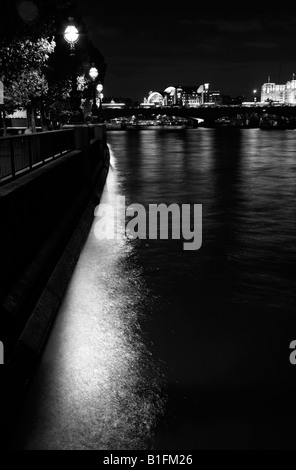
(20, 154)
(91, 133)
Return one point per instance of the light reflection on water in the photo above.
(224, 315)
(97, 386)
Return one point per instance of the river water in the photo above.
(180, 349)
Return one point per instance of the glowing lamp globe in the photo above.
(93, 73)
(100, 88)
(71, 35)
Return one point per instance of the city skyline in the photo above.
(236, 51)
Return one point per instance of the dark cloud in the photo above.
(262, 44)
(28, 11)
(242, 26)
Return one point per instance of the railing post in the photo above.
(100, 134)
(81, 137)
(62, 146)
(12, 163)
(81, 142)
(23, 153)
(100, 131)
(30, 154)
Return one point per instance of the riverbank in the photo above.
(32, 302)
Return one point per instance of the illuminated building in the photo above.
(179, 96)
(154, 99)
(184, 96)
(273, 92)
(282, 94)
(193, 97)
(290, 92)
(190, 97)
(170, 96)
(113, 105)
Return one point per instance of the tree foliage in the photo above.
(24, 80)
(36, 66)
(26, 43)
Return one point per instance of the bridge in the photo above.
(208, 114)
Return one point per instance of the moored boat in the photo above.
(272, 122)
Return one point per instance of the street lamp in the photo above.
(255, 95)
(71, 35)
(100, 89)
(93, 73)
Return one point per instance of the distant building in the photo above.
(18, 120)
(273, 92)
(290, 92)
(184, 96)
(192, 96)
(232, 101)
(179, 91)
(154, 99)
(213, 97)
(170, 96)
(282, 94)
(113, 105)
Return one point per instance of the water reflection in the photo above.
(219, 320)
(224, 316)
(97, 386)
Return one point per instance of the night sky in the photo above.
(149, 46)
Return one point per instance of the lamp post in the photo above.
(93, 73)
(100, 89)
(255, 96)
(71, 35)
